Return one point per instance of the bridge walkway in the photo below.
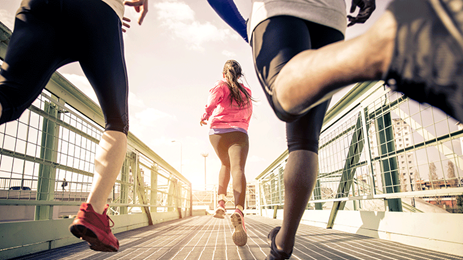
(205, 237)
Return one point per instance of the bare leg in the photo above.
(238, 154)
(299, 177)
(232, 150)
(109, 157)
(224, 178)
(311, 75)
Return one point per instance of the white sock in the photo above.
(240, 208)
(221, 197)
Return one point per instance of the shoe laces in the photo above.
(109, 226)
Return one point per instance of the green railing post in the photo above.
(125, 185)
(348, 173)
(191, 200)
(178, 200)
(154, 189)
(391, 182)
(47, 173)
(261, 197)
(281, 186)
(171, 194)
(317, 195)
(139, 185)
(272, 189)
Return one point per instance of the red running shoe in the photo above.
(95, 229)
(240, 236)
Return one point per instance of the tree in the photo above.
(403, 185)
(459, 206)
(451, 178)
(417, 180)
(432, 174)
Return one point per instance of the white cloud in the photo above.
(150, 115)
(7, 19)
(134, 101)
(228, 54)
(255, 158)
(174, 11)
(81, 82)
(179, 18)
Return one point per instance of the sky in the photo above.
(173, 59)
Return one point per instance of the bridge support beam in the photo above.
(348, 173)
(391, 182)
(47, 173)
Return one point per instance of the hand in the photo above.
(140, 6)
(203, 123)
(366, 9)
(125, 19)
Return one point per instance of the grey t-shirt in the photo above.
(117, 6)
(331, 13)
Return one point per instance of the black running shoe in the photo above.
(275, 254)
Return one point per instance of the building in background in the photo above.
(207, 199)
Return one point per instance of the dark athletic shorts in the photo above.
(274, 42)
(51, 33)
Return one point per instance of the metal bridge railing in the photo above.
(47, 159)
(380, 151)
(47, 164)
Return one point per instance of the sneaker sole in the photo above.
(240, 238)
(447, 21)
(88, 235)
(219, 214)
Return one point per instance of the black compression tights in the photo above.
(232, 149)
(274, 42)
(49, 34)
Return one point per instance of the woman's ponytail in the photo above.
(232, 72)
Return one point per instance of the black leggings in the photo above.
(274, 42)
(232, 149)
(51, 33)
